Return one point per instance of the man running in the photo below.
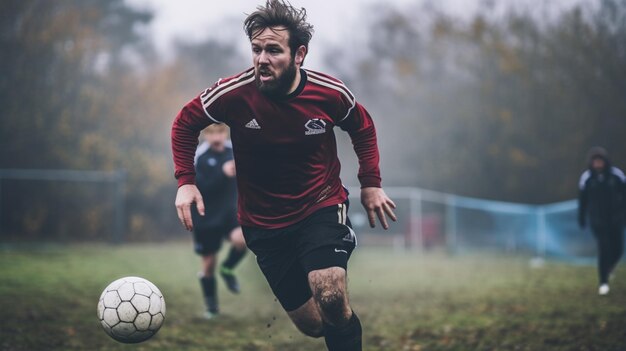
(292, 205)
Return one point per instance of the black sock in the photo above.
(234, 257)
(209, 285)
(344, 338)
(604, 259)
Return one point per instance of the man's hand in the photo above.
(377, 203)
(188, 194)
(229, 169)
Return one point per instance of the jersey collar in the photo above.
(303, 80)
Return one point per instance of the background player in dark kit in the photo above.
(215, 179)
(602, 199)
(291, 204)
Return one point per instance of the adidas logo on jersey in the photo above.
(253, 124)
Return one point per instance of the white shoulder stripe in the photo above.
(337, 84)
(328, 79)
(347, 114)
(209, 96)
(618, 172)
(583, 179)
(351, 100)
(334, 87)
(209, 93)
(208, 90)
(214, 97)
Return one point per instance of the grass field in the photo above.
(406, 302)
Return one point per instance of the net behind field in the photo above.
(432, 220)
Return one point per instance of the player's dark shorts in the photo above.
(207, 240)
(286, 255)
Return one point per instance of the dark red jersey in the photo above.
(285, 148)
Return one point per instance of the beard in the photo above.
(280, 85)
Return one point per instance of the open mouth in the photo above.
(265, 74)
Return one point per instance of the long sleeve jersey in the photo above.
(285, 148)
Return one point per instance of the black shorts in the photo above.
(287, 255)
(207, 240)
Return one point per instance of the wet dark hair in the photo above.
(280, 13)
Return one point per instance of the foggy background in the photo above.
(490, 99)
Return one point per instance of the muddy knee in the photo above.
(334, 305)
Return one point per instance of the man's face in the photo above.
(274, 68)
(598, 164)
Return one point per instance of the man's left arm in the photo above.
(360, 127)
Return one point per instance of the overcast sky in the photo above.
(196, 20)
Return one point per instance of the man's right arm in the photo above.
(185, 131)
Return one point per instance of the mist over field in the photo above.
(500, 104)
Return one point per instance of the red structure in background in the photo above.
(431, 231)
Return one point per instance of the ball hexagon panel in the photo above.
(157, 321)
(100, 309)
(126, 291)
(126, 312)
(154, 288)
(134, 279)
(116, 284)
(111, 299)
(163, 309)
(142, 322)
(141, 303)
(155, 304)
(142, 288)
(110, 317)
(123, 329)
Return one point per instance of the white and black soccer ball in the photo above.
(131, 309)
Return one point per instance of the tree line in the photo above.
(501, 107)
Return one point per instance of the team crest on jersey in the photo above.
(315, 126)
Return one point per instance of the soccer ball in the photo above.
(131, 310)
